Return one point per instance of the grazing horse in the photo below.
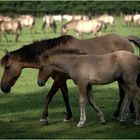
(5, 18)
(128, 20)
(27, 21)
(10, 26)
(49, 21)
(27, 57)
(82, 26)
(88, 69)
(106, 19)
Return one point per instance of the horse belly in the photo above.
(85, 27)
(103, 75)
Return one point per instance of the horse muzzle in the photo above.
(40, 83)
(5, 89)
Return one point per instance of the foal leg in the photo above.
(93, 104)
(82, 106)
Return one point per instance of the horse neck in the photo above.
(30, 65)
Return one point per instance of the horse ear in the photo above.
(6, 52)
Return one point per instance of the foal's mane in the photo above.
(59, 51)
(31, 51)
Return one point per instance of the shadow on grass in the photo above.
(20, 116)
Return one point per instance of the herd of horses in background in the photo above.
(78, 23)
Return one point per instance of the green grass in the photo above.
(21, 110)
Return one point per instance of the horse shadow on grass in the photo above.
(20, 114)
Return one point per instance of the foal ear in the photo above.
(6, 52)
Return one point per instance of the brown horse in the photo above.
(26, 57)
(87, 70)
(10, 26)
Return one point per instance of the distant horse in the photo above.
(128, 20)
(87, 70)
(27, 57)
(136, 18)
(27, 21)
(107, 19)
(10, 26)
(82, 26)
(48, 21)
(5, 18)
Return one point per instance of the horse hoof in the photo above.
(44, 121)
(102, 121)
(137, 122)
(68, 120)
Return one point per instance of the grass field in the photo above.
(21, 110)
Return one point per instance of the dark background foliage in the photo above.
(68, 7)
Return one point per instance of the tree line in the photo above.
(39, 8)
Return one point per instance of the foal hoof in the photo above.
(44, 121)
(80, 124)
(68, 120)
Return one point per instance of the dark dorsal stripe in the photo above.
(30, 52)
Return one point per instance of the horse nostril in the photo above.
(40, 83)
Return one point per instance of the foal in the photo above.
(86, 70)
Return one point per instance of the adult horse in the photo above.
(27, 21)
(128, 20)
(88, 69)
(26, 57)
(10, 26)
(82, 26)
(48, 21)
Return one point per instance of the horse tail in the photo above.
(135, 40)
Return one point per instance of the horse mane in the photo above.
(46, 54)
(31, 51)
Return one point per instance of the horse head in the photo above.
(12, 70)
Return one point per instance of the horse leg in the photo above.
(82, 96)
(65, 94)
(132, 91)
(116, 114)
(93, 104)
(17, 35)
(56, 85)
(5, 37)
(49, 97)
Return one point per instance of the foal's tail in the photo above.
(135, 40)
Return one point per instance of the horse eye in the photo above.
(7, 67)
(41, 69)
